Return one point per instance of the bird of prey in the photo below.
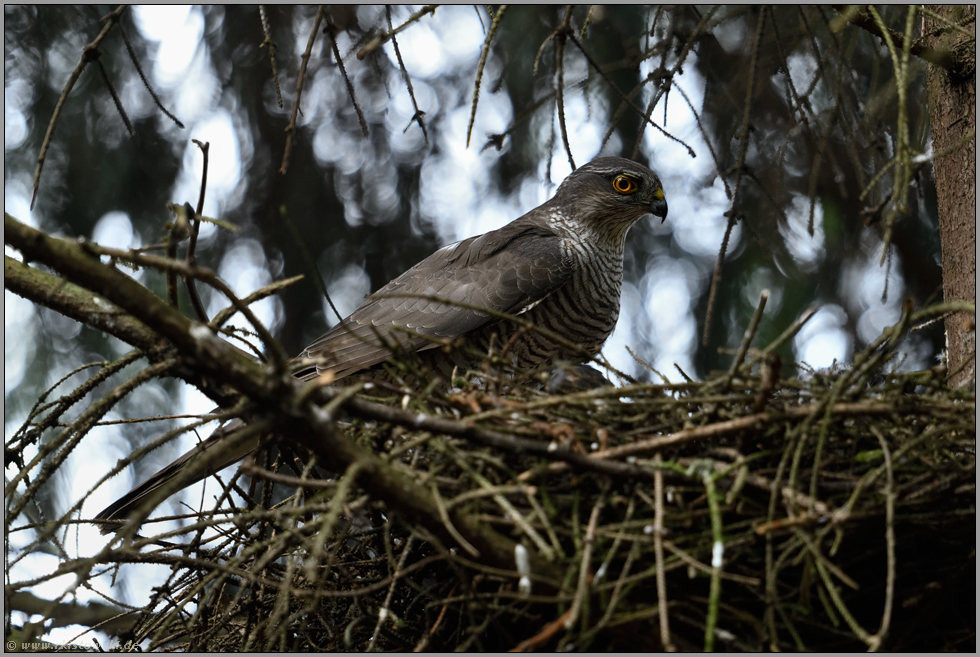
(558, 267)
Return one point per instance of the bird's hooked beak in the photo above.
(659, 205)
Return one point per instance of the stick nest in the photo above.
(830, 511)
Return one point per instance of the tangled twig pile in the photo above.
(832, 511)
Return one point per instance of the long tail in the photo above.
(225, 446)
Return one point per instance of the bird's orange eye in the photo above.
(624, 185)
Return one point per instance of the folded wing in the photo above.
(447, 295)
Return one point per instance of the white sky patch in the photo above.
(454, 189)
(461, 33)
(16, 96)
(870, 276)
(533, 193)
(178, 32)
(181, 73)
(762, 278)
(224, 158)
(802, 69)
(421, 50)
(493, 115)
(666, 291)
(224, 167)
(863, 282)
(20, 328)
(115, 230)
(409, 141)
(680, 124)
(245, 270)
(112, 447)
(873, 321)
(447, 195)
(347, 292)
(698, 221)
(585, 132)
(16, 201)
(806, 250)
(196, 97)
(615, 348)
(696, 213)
(449, 39)
(195, 402)
(731, 34)
(667, 303)
(41, 562)
(823, 339)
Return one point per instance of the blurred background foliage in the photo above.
(781, 118)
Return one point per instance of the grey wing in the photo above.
(503, 271)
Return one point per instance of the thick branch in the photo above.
(62, 614)
(939, 57)
(75, 302)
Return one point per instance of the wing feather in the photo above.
(503, 271)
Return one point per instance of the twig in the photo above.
(332, 32)
(54, 452)
(325, 524)
(449, 527)
(585, 564)
(179, 228)
(669, 77)
(786, 335)
(383, 37)
(300, 78)
(700, 566)
(958, 26)
(421, 645)
(903, 168)
(508, 508)
(190, 256)
(89, 53)
(890, 563)
(709, 313)
(854, 15)
(419, 116)
(112, 92)
(561, 34)
(618, 587)
(743, 147)
(658, 553)
(749, 335)
(717, 551)
(146, 83)
(273, 348)
(75, 302)
(625, 97)
(721, 428)
(385, 610)
(823, 568)
(546, 633)
(484, 53)
(267, 42)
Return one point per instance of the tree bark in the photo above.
(952, 97)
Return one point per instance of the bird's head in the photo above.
(609, 194)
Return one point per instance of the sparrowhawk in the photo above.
(559, 267)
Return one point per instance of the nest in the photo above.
(831, 511)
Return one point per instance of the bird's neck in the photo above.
(603, 238)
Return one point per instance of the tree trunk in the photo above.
(952, 100)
